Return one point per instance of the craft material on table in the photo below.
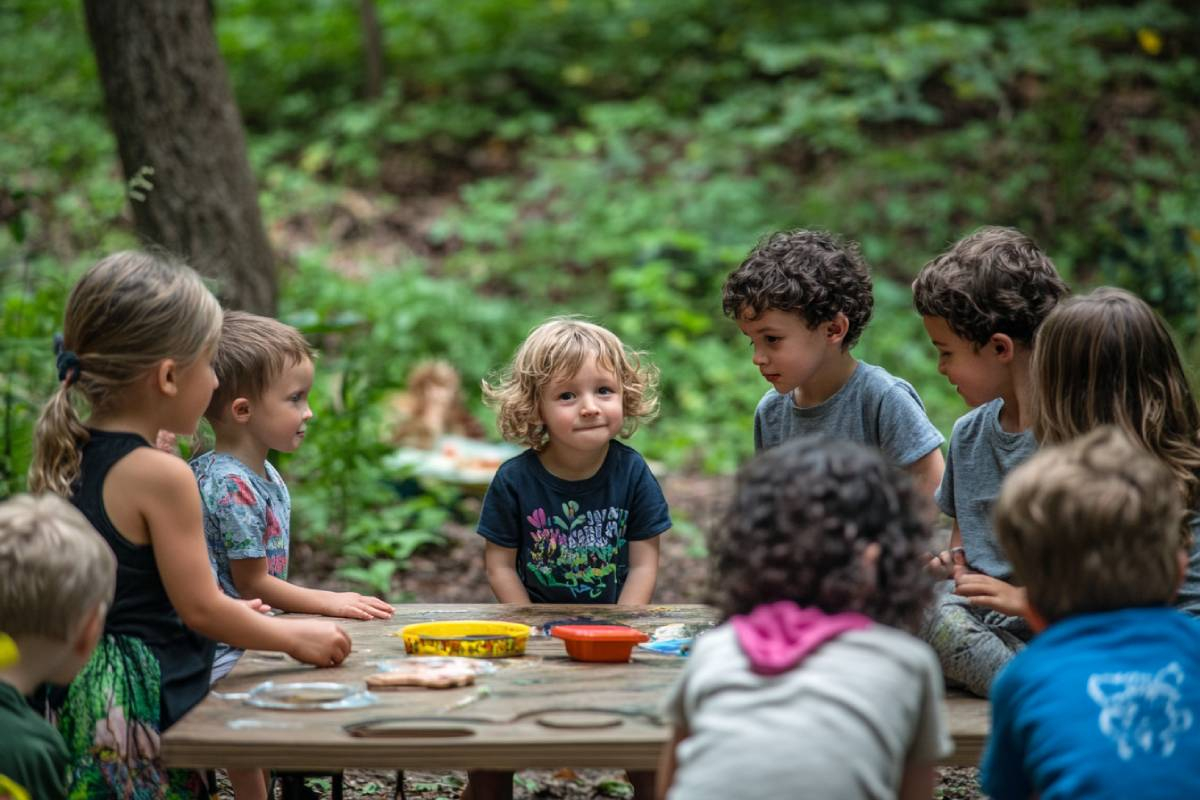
(428, 676)
(304, 696)
(610, 643)
(466, 638)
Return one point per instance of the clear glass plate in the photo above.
(309, 696)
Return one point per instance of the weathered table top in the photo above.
(228, 733)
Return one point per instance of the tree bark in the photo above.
(372, 47)
(171, 107)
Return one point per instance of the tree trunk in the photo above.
(372, 47)
(170, 105)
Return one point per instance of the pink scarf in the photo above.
(778, 636)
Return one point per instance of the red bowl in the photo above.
(611, 643)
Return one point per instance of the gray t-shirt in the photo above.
(981, 454)
(874, 408)
(844, 723)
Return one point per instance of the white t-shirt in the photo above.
(842, 724)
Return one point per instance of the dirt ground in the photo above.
(454, 574)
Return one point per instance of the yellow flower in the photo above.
(1150, 41)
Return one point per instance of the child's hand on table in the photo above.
(318, 642)
(257, 605)
(351, 605)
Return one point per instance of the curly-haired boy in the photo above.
(803, 298)
(982, 302)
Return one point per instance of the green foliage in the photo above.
(618, 159)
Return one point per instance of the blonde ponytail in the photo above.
(128, 312)
(59, 436)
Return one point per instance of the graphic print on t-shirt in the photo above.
(575, 550)
(1141, 711)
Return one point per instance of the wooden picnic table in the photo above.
(223, 732)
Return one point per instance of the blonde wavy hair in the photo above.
(558, 348)
(126, 314)
(56, 567)
(1092, 525)
(1105, 358)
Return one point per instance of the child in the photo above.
(58, 579)
(982, 302)
(264, 372)
(1107, 359)
(814, 680)
(803, 298)
(576, 517)
(139, 335)
(1103, 703)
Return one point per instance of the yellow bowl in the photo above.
(469, 638)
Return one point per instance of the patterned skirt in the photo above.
(110, 720)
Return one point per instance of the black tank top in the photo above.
(141, 607)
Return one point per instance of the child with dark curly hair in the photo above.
(815, 678)
(982, 302)
(803, 298)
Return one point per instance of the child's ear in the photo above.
(1001, 344)
(837, 328)
(239, 410)
(165, 377)
(89, 632)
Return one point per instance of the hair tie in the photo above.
(68, 363)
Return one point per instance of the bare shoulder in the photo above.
(145, 487)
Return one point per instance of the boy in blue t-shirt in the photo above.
(1105, 702)
(982, 302)
(803, 298)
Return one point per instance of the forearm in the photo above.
(666, 764)
(639, 585)
(283, 595)
(223, 619)
(506, 584)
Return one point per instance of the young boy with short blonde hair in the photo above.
(265, 371)
(1104, 702)
(57, 578)
(982, 302)
(803, 298)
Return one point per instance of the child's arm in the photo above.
(947, 563)
(252, 579)
(917, 782)
(169, 502)
(927, 471)
(666, 764)
(501, 565)
(643, 572)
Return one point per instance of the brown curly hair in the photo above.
(556, 348)
(811, 273)
(997, 280)
(802, 517)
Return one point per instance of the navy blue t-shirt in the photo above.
(572, 537)
(1101, 705)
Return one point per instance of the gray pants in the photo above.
(972, 643)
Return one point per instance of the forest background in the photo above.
(493, 162)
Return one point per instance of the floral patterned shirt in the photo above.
(572, 537)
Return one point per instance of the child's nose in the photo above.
(308, 413)
(760, 358)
